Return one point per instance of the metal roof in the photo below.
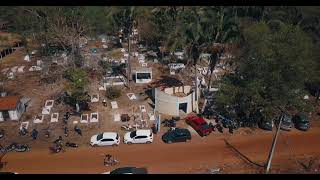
(9, 102)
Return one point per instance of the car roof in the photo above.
(142, 132)
(112, 135)
(302, 117)
(181, 130)
(132, 170)
(122, 170)
(198, 120)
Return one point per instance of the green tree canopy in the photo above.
(276, 62)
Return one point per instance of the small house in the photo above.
(11, 108)
(173, 100)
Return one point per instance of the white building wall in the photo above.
(14, 115)
(187, 89)
(168, 90)
(1, 117)
(165, 103)
(168, 104)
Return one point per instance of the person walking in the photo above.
(104, 102)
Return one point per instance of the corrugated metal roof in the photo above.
(8, 102)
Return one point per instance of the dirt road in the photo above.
(191, 157)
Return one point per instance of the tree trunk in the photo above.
(209, 81)
(129, 63)
(196, 89)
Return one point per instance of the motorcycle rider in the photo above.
(66, 131)
(109, 160)
(104, 102)
(154, 128)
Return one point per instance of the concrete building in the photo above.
(171, 100)
(11, 108)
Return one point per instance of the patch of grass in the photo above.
(113, 93)
(116, 54)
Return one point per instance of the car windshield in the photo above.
(133, 134)
(268, 122)
(286, 119)
(303, 118)
(205, 126)
(99, 137)
(177, 133)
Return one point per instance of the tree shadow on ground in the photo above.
(167, 81)
(308, 167)
(242, 156)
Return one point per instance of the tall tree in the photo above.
(276, 62)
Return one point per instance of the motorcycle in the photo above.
(73, 145)
(1, 133)
(22, 148)
(56, 149)
(213, 127)
(78, 130)
(127, 128)
(58, 141)
(228, 123)
(10, 148)
(169, 123)
(2, 149)
(109, 161)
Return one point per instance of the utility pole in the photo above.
(273, 146)
(129, 65)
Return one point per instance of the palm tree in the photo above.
(125, 18)
(191, 33)
(226, 31)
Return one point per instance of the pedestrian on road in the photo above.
(34, 134)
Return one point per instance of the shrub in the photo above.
(113, 93)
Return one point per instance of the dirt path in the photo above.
(192, 157)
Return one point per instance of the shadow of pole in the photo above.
(245, 158)
(2, 164)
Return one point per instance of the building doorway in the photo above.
(5, 115)
(183, 107)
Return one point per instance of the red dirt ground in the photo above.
(195, 156)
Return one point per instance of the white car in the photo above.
(105, 139)
(138, 136)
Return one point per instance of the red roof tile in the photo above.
(8, 102)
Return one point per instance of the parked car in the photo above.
(301, 122)
(286, 123)
(176, 135)
(266, 124)
(263, 123)
(105, 139)
(128, 170)
(138, 136)
(199, 125)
